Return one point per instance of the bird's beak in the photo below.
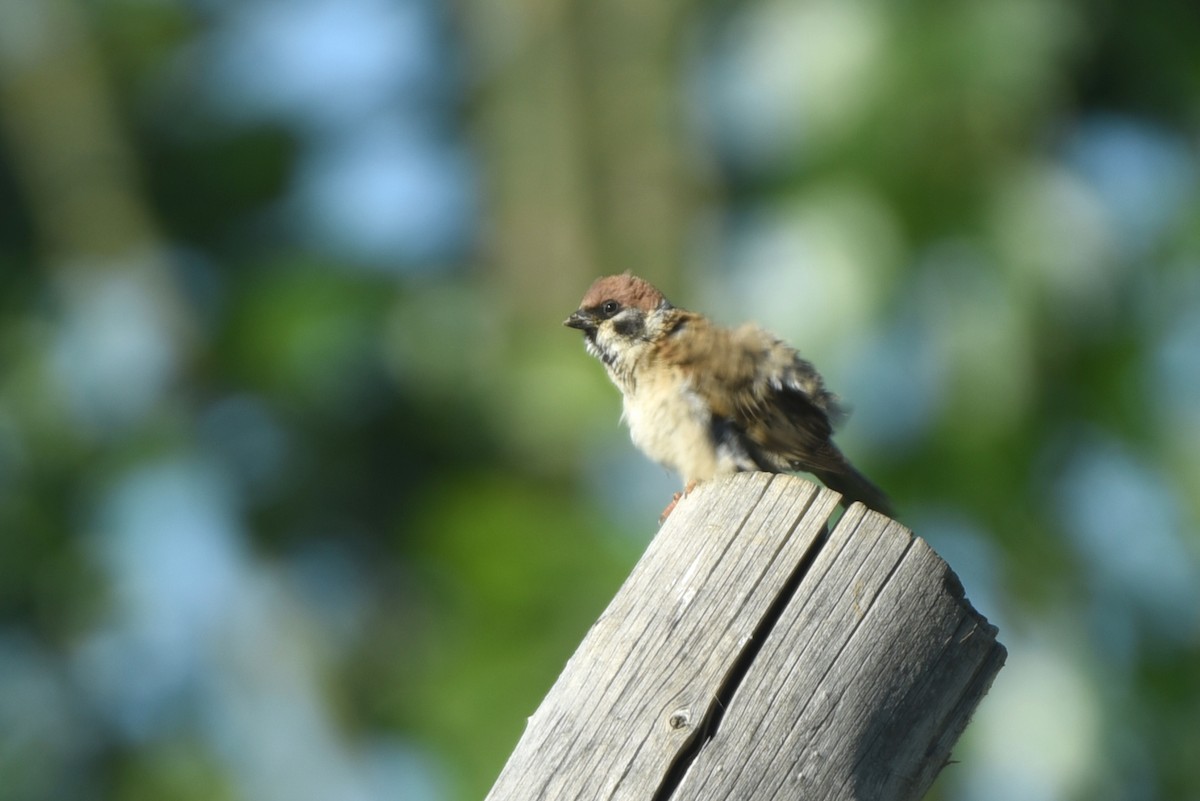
(581, 320)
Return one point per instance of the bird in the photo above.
(707, 401)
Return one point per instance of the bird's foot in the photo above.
(691, 485)
(670, 508)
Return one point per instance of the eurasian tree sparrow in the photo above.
(708, 401)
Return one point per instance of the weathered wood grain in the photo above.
(750, 656)
(859, 690)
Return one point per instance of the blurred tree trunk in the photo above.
(76, 166)
(578, 122)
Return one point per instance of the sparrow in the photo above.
(708, 401)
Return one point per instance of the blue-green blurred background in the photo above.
(305, 493)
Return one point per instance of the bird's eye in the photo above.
(610, 308)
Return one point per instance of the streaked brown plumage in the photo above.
(706, 400)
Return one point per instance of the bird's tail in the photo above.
(854, 486)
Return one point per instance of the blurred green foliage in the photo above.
(305, 492)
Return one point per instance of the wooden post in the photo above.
(752, 656)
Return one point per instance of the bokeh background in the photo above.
(305, 493)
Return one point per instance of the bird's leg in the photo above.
(670, 508)
(687, 489)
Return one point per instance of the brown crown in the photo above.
(628, 290)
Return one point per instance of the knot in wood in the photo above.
(680, 718)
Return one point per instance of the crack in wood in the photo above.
(708, 726)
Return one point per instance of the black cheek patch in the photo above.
(627, 326)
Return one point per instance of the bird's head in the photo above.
(618, 313)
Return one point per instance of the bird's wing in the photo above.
(764, 388)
